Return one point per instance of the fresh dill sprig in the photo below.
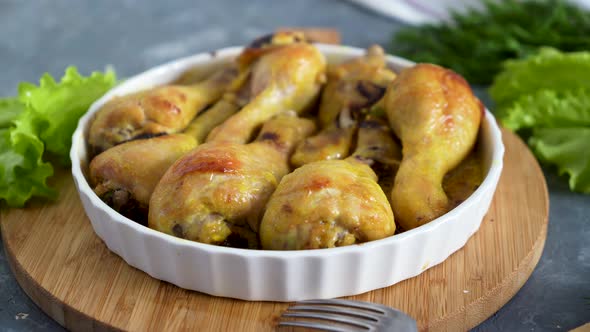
(476, 42)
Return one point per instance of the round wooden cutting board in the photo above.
(69, 272)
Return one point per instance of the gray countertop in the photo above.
(132, 35)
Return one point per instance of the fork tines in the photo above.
(344, 316)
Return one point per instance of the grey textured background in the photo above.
(48, 35)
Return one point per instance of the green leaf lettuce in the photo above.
(547, 70)
(41, 121)
(568, 149)
(546, 99)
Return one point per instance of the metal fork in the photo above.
(346, 316)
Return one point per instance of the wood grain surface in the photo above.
(69, 272)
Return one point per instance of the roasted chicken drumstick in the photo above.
(125, 175)
(288, 78)
(436, 116)
(220, 188)
(352, 87)
(332, 203)
(161, 110)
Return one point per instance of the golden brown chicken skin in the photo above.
(436, 116)
(125, 175)
(330, 143)
(332, 203)
(220, 188)
(162, 110)
(288, 78)
(115, 174)
(269, 43)
(352, 88)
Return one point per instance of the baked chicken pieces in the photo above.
(436, 116)
(162, 110)
(125, 175)
(287, 78)
(332, 203)
(352, 87)
(219, 190)
(196, 173)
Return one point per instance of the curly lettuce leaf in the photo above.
(549, 109)
(569, 150)
(10, 108)
(548, 70)
(546, 99)
(41, 120)
(54, 108)
(23, 173)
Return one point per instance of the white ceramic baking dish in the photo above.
(282, 275)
